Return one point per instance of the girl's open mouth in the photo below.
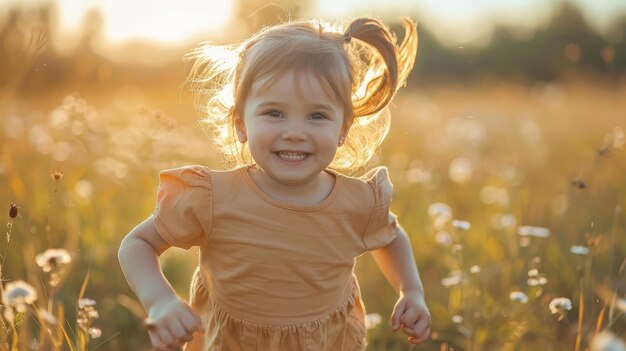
(291, 156)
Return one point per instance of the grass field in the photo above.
(513, 196)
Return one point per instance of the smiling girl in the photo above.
(297, 107)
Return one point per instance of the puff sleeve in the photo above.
(381, 228)
(184, 211)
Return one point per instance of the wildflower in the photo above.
(503, 221)
(372, 320)
(494, 195)
(579, 250)
(461, 225)
(439, 209)
(16, 296)
(443, 238)
(53, 261)
(454, 278)
(607, 341)
(52, 258)
(508, 221)
(460, 170)
(475, 269)
(440, 214)
(87, 313)
(13, 211)
(457, 319)
(538, 232)
(524, 241)
(56, 175)
(417, 174)
(535, 278)
(47, 316)
(560, 305)
(457, 248)
(94, 332)
(84, 189)
(518, 296)
(537, 281)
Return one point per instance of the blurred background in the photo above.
(512, 122)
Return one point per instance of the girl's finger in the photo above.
(157, 341)
(419, 330)
(395, 316)
(192, 323)
(178, 331)
(154, 339)
(420, 339)
(167, 338)
(409, 317)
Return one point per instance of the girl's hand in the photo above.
(171, 323)
(411, 313)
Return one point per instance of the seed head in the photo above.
(13, 211)
(454, 278)
(579, 184)
(461, 225)
(52, 259)
(538, 232)
(18, 294)
(56, 175)
(560, 306)
(579, 250)
(518, 296)
(607, 341)
(87, 313)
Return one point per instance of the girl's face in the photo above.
(292, 127)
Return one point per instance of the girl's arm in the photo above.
(138, 256)
(171, 322)
(397, 263)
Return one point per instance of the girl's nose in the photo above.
(294, 131)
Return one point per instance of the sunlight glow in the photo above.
(156, 20)
(454, 22)
(136, 20)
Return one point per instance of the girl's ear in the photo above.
(344, 133)
(241, 130)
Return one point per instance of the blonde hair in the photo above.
(364, 74)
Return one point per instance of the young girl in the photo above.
(291, 108)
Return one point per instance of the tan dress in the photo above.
(274, 276)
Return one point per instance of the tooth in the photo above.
(292, 155)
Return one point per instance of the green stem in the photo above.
(581, 314)
(6, 249)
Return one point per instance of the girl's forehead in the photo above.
(304, 83)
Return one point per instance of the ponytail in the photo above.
(389, 66)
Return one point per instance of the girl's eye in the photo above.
(273, 113)
(318, 116)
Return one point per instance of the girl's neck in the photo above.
(310, 193)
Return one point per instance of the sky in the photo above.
(454, 21)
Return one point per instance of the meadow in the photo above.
(513, 195)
